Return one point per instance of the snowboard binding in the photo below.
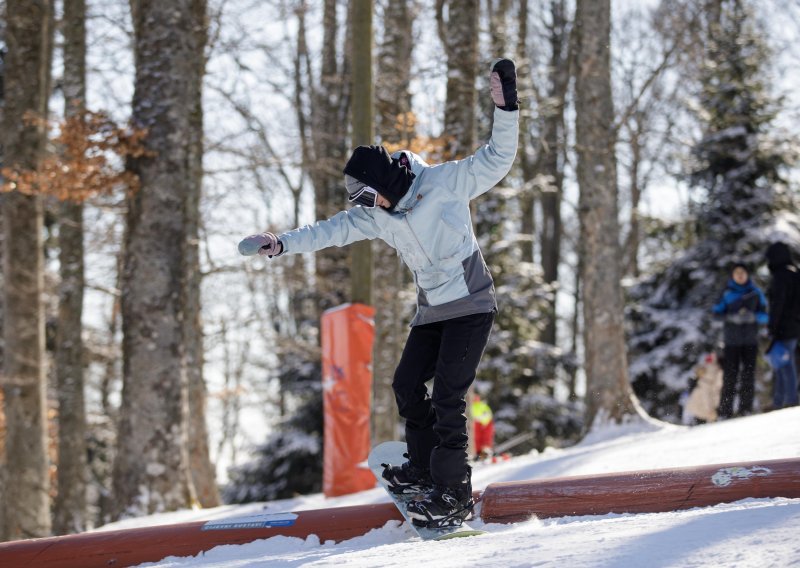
(454, 519)
(407, 479)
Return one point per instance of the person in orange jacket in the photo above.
(484, 427)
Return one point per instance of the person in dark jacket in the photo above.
(743, 307)
(784, 324)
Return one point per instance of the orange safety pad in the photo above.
(347, 335)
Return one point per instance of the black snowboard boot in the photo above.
(407, 478)
(443, 507)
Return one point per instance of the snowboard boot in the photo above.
(407, 478)
(443, 507)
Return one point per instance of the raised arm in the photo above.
(480, 172)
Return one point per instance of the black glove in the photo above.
(503, 81)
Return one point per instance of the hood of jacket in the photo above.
(778, 255)
(741, 288)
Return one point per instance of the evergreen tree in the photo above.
(518, 375)
(290, 461)
(740, 203)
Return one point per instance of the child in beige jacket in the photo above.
(704, 399)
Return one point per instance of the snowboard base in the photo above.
(392, 453)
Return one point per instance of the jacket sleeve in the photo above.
(777, 302)
(720, 307)
(762, 316)
(340, 230)
(477, 174)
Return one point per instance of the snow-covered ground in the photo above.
(753, 532)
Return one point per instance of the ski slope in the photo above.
(752, 532)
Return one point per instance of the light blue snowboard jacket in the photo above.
(431, 227)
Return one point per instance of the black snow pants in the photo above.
(738, 369)
(436, 425)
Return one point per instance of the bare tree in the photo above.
(2, 307)
(609, 395)
(151, 469)
(648, 45)
(70, 509)
(457, 24)
(363, 131)
(549, 166)
(329, 136)
(527, 138)
(201, 468)
(26, 499)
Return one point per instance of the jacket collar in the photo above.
(418, 165)
(746, 287)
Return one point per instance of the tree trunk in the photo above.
(609, 395)
(393, 93)
(69, 513)
(497, 15)
(393, 80)
(458, 31)
(3, 469)
(527, 204)
(362, 133)
(26, 501)
(330, 134)
(575, 332)
(203, 472)
(632, 244)
(550, 166)
(151, 470)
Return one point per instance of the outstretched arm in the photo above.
(720, 307)
(344, 228)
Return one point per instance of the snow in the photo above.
(751, 532)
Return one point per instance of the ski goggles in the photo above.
(365, 196)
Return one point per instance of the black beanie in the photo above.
(373, 166)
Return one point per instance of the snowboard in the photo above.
(392, 453)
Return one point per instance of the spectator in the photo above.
(484, 428)
(784, 324)
(743, 308)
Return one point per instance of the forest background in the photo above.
(148, 367)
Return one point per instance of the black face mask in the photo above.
(372, 166)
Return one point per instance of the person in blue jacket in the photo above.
(423, 211)
(743, 307)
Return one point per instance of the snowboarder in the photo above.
(423, 212)
(784, 324)
(744, 307)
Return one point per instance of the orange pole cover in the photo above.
(347, 336)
